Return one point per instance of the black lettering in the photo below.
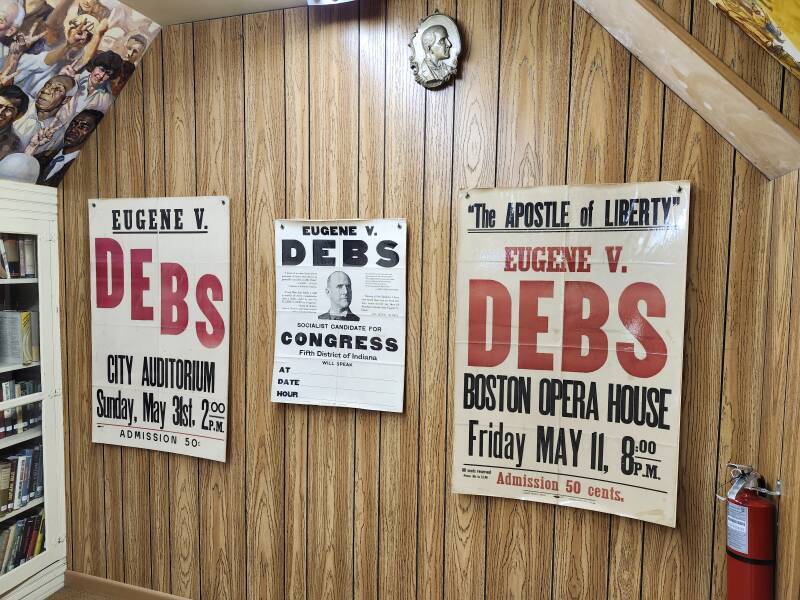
(293, 252)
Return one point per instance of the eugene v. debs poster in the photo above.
(160, 323)
(569, 346)
(340, 326)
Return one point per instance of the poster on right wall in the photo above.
(569, 346)
(774, 24)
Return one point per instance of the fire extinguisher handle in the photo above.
(741, 482)
(775, 492)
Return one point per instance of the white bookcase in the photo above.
(30, 212)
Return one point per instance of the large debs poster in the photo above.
(340, 323)
(160, 323)
(569, 346)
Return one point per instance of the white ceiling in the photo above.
(167, 12)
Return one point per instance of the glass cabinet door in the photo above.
(26, 380)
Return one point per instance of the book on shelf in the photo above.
(35, 350)
(21, 540)
(22, 422)
(25, 488)
(13, 545)
(17, 257)
(16, 336)
(5, 480)
(10, 421)
(11, 389)
(21, 251)
(21, 465)
(5, 269)
(39, 538)
(8, 546)
(12, 482)
(38, 474)
(27, 253)
(12, 256)
(21, 479)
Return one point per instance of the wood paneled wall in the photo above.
(302, 113)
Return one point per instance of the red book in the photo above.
(34, 536)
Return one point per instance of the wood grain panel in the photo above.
(474, 165)
(788, 577)
(86, 459)
(643, 163)
(220, 107)
(779, 298)
(596, 155)
(405, 116)
(263, 43)
(371, 165)
(438, 194)
(155, 185)
(532, 138)
(734, 108)
(179, 144)
(744, 338)
(333, 53)
(112, 455)
(748, 274)
(297, 206)
(677, 561)
(135, 461)
(731, 44)
(314, 113)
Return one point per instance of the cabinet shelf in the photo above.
(9, 368)
(19, 281)
(22, 509)
(22, 401)
(18, 438)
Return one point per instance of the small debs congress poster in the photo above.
(160, 323)
(569, 346)
(340, 327)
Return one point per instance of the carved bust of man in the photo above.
(437, 46)
(434, 61)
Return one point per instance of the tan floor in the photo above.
(67, 594)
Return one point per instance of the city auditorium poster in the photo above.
(569, 346)
(340, 323)
(160, 281)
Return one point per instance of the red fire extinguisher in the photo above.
(752, 519)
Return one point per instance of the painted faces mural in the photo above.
(774, 24)
(62, 64)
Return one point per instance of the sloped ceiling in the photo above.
(168, 12)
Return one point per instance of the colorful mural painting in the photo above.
(774, 24)
(63, 64)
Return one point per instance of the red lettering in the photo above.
(174, 287)
(510, 263)
(654, 346)
(105, 250)
(531, 324)
(139, 285)
(212, 339)
(577, 327)
(480, 290)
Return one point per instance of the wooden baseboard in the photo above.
(114, 589)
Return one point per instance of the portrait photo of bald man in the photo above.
(339, 290)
